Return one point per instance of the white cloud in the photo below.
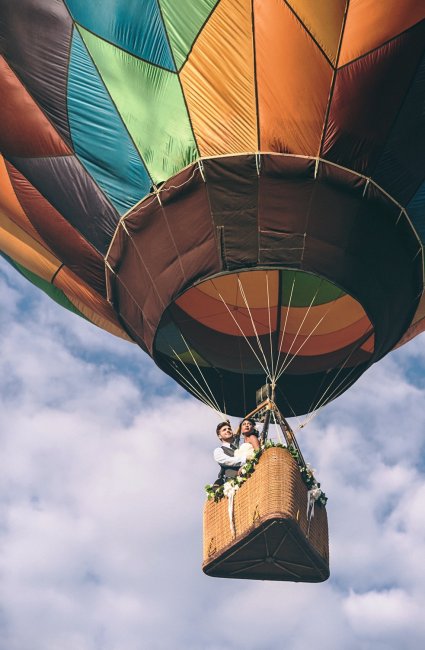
(391, 617)
(101, 496)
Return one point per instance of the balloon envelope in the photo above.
(237, 186)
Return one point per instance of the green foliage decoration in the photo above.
(216, 493)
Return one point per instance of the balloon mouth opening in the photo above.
(269, 322)
(272, 266)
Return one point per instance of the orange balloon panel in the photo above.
(314, 344)
(258, 289)
(88, 302)
(214, 314)
(324, 21)
(369, 24)
(309, 330)
(10, 206)
(323, 319)
(294, 80)
(218, 81)
(18, 245)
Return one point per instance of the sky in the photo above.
(103, 462)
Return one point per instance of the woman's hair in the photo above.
(247, 420)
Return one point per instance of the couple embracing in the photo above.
(229, 456)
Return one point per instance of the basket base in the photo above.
(276, 549)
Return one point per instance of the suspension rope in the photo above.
(338, 390)
(277, 369)
(278, 429)
(270, 328)
(130, 295)
(199, 370)
(294, 415)
(323, 400)
(286, 321)
(200, 395)
(357, 345)
(299, 329)
(199, 391)
(242, 374)
(241, 289)
(143, 263)
(242, 332)
(210, 402)
(316, 395)
(170, 232)
(282, 370)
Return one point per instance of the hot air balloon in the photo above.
(235, 185)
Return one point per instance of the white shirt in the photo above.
(228, 461)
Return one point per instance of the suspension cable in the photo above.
(357, 345)
(143, 263)
(286, 321)
(323, 400)
(241, 289)
(191, 387)
(294, 415)
(299, 329)
(270, 328)
(278, 429)
(199, 369)
(243, 334)
(285, 367)
(199, 391)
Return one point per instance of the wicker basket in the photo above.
(273, 539)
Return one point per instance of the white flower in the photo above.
(247, 450)
(230, 488)
(315, 492)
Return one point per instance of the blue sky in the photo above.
(102, 467)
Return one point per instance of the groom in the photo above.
(225, 455)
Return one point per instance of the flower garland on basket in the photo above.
(315, 493)
(230, 487)
(233, 484)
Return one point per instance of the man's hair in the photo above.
(221, 425)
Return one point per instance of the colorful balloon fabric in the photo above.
(236, 185)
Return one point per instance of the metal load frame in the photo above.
(266, 406)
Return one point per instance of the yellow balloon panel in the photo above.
(260, 289)
(218, 82)
(324, 20)
(22, 248)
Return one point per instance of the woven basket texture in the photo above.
(275, 489)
